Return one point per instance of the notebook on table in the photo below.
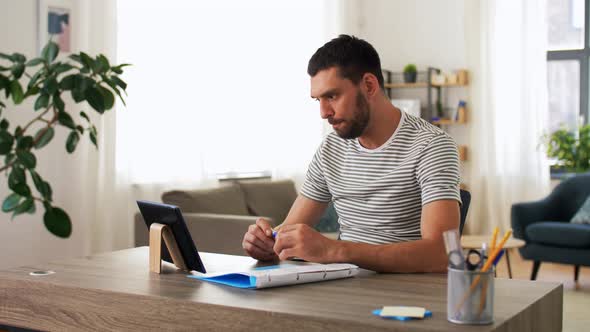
(281, 275)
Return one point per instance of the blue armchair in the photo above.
(544, 226)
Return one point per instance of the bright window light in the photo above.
(217, 87)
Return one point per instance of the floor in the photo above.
(576, 297)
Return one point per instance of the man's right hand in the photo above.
(258, 241)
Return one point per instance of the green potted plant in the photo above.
(410, 73)
(571, 149)
(87, 79)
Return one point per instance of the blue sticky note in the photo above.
(377, 312)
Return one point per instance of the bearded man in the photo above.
(393, 178)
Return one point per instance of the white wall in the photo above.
(25, 240)
(423, 32)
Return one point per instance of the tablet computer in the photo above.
(171, 216)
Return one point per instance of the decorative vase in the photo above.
(410, 77)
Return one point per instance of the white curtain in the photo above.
(507, 55)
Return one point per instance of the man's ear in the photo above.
(371, 84)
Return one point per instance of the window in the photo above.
(567, 62)
(217, 87)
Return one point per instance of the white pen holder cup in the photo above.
(470, 297)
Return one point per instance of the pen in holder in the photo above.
(468, 305)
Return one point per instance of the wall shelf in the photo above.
(406, 85)
(425, 81)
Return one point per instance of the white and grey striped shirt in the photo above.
(378, 194)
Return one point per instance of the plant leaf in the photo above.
(42, 102)
(19, 57)
(34, 79)
(103, 59)
(95, 99)
(117, 69)
(87, 60)
(65, 120)
(24, 142)
(51, 85)
(43, 137)
(31, 91)
(68, 82)
(17, 175)
(63, 67)
(57, 222)
(17, 92)
(4, 124)
(101, 64)
(116, 89)
(7, 57)
(85, 116)
(35, 62)
(18, 70)
(119, 82)
(26, 158)
(6, 141)
(92, 134)
(59, 103)
(76, 58)
(18, 131)
(77, 95)
(42, 186)
(11, 202)
(25, 206)
(8, 158)
(72, 141)
(22, 189)
(50, 51)
(4, 82)
(108, 97)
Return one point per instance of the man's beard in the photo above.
(359, 122)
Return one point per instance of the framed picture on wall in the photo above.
(57, 21)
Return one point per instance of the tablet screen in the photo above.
(171, 216)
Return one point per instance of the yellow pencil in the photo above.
(482, 299)
(485, 267)
(494, 236)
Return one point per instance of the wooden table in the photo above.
(115, 291)
(475, 242)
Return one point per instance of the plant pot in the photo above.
(410, 77)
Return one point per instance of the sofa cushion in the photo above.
(224, 200)
(583, 214)
(560, 234)
(269, 198)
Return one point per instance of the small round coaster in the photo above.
(41, 273)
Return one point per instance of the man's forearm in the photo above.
(414, 256)
(305, 211)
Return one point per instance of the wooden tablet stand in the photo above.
(157, 232)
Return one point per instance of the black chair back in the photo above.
(465, 200)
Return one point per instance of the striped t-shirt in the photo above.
(379, 193)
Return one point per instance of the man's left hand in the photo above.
(304, 242)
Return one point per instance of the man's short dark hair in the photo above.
(353, 56)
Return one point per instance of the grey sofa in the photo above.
(218, 218)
